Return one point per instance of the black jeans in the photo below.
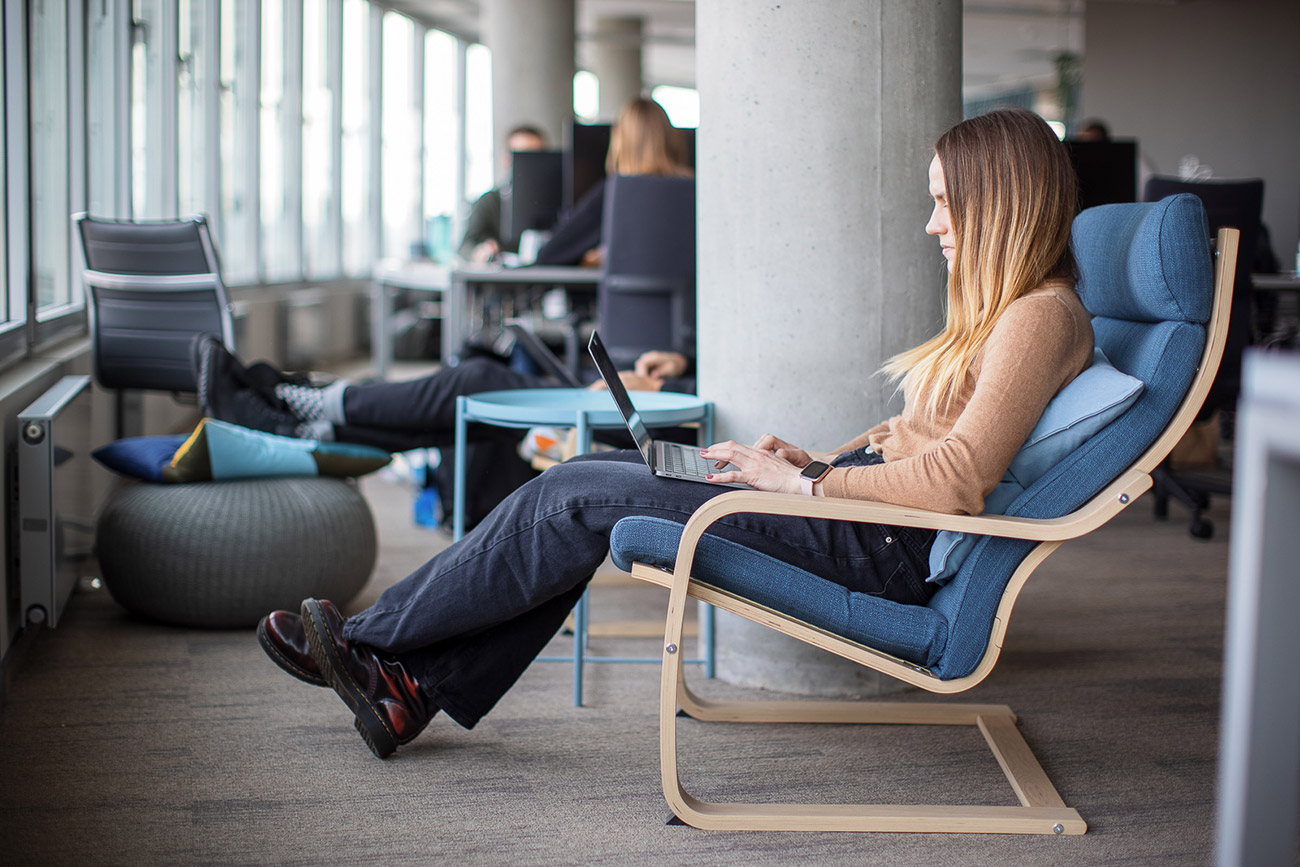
(421, 413)
(469, 621)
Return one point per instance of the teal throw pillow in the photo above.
(1092, 400)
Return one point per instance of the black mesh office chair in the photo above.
(150, 288)
(646, 298)
(1234, 204)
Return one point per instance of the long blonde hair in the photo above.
(644, 142)
(1012, 195)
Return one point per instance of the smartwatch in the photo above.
(812, 474)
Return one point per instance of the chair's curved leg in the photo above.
(1042, 810)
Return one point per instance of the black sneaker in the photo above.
(225, 394)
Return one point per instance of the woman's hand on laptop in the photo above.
(760, 469)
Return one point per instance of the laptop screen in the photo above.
(607, 372)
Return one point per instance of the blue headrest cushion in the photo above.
(1146, 262)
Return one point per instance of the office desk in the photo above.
(389, 275)
(1285, 288)
(456, 289)
(467, 280)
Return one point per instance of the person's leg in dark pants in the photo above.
(469, 621)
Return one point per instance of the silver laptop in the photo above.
(540, 353)
(667, 459)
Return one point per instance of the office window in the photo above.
(681, 104)
(441, 143)
(586, 96)
(276, 249)
(189, 143)
(48, 152)
(400, 139)
(319, 150)
(355, 192)
(479, 173)
(196, 109)
(238, 226)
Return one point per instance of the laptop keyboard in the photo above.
(685, 461)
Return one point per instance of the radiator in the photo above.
(55, 505)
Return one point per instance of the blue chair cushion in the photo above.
(912, 632)
(1092, 400)
(1157, 251)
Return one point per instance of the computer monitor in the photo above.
(586, 146)
(533, 198)
(1107, 171)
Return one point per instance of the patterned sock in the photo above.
(303, 401)
(319, 430)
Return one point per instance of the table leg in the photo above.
(706, 612)
(458, 496)
(381, 339)
(453, 317)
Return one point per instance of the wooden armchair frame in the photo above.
(1042, 811)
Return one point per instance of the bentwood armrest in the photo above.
(1093, 514)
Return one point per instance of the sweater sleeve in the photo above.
(1031, 354)
(577, 231)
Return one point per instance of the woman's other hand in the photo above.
(661, 365)
(760, 469)
(784, 450)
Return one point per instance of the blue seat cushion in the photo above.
(911, 632)
(1092, 400)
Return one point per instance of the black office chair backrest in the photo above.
(646, 298)
(151, 287)
(1235, 204)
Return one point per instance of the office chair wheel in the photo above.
(1201, 528)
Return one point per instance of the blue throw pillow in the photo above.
(139, 457)
(1092, 400)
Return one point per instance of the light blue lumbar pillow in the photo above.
(1092, 400)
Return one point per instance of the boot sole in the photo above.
(283, 662)
(372, 728)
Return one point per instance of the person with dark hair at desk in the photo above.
(482, 241)
(642, 142)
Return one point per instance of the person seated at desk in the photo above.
(455, 634)
(397, 416)
(482, 241)
(642, 142)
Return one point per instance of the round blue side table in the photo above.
(586, 411)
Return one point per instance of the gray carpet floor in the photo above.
(125, 742)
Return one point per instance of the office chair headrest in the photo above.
(1147, 262)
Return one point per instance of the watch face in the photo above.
(815, 470)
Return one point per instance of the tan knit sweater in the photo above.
(949, 464)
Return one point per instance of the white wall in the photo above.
(1216, 78)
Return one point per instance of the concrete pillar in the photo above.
(532, 64)
(818, 121)
(616, 61)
